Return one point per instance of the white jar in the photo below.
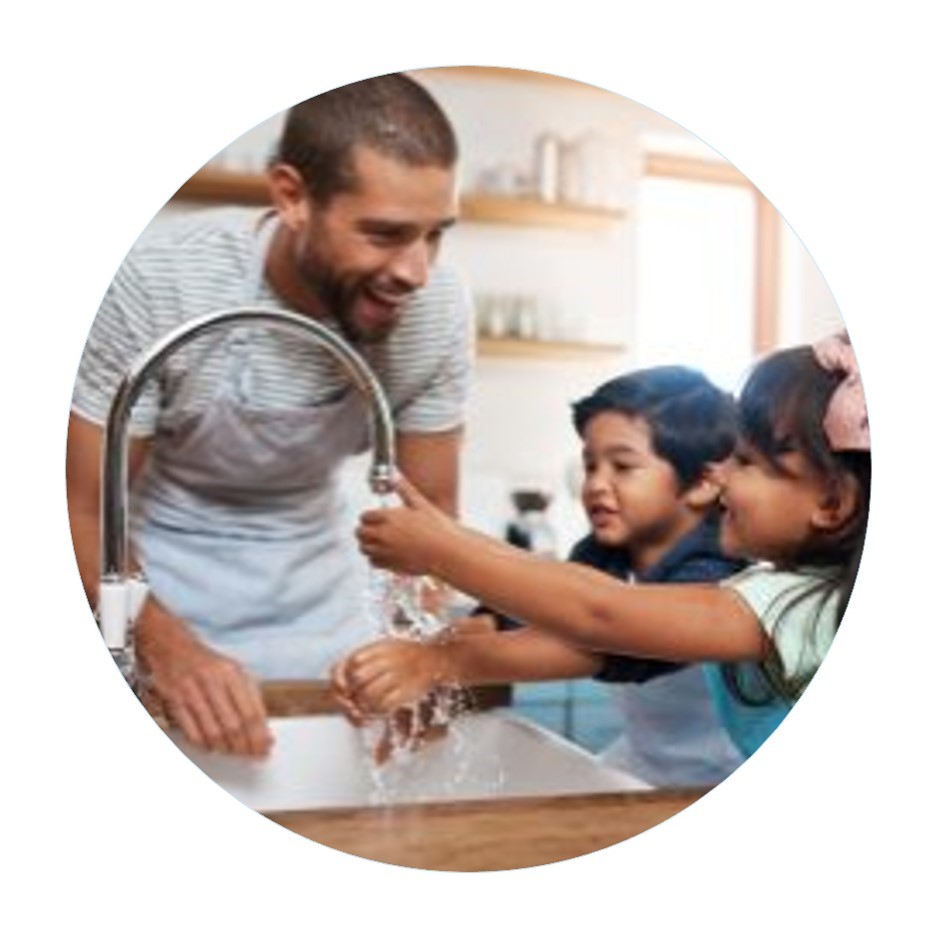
(547, 167)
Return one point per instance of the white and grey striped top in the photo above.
(195, 264)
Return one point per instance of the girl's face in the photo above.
(632, 496)
(770, 513)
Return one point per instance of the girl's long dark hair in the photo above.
(781, 410)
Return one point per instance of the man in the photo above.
(236, 516)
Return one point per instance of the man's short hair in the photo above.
(391, 114)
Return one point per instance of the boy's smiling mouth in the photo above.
(600, 515)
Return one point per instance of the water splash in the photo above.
(402, 745)
(400, 607)
(442, 769)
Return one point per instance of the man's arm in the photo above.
(214, 701)
(434, 458)
(431, 462)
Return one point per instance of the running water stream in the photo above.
(400, 608)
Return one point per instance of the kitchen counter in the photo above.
(300, 698)
(493, 834)
(488, 835)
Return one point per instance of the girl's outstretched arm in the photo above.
(581, 605)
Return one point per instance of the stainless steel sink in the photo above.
(323, 762)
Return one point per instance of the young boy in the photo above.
(650, 442)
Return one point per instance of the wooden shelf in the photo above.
(527, 212)
(548, 351)
(224, 186)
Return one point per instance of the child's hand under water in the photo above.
(341, 692)
(404, 539)
(387, 675)
(407, 730)
(407, 723)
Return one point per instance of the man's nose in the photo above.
(411, 265)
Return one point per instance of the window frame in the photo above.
(767, 260)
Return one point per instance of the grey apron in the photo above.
(240, 523)
(672, 734)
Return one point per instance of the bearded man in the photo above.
(237, 516)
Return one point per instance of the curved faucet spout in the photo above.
(114, 533)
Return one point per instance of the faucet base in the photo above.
(126, 663)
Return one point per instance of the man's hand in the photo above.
(209, 696)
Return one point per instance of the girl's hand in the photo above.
(405, 539)
(392, 673)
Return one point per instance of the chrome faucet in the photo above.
(121, 593)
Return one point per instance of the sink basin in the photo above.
(323, 762)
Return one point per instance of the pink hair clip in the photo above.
(847, 419)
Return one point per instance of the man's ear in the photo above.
(289, 195)
(705, 492)
(838, 506)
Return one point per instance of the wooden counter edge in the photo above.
(496, 834)
(314, 698)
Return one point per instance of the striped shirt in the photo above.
(211, 260)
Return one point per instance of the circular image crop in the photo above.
(468, 468)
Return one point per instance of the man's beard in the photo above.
(339, 298)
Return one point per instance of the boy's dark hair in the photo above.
(391, 114)
(692, 422)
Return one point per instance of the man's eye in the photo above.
(392, 235)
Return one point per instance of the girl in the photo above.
(795, 498)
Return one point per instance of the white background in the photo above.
(828, 107)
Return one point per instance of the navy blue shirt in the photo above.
(697, 558)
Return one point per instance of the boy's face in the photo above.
(632, 496)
